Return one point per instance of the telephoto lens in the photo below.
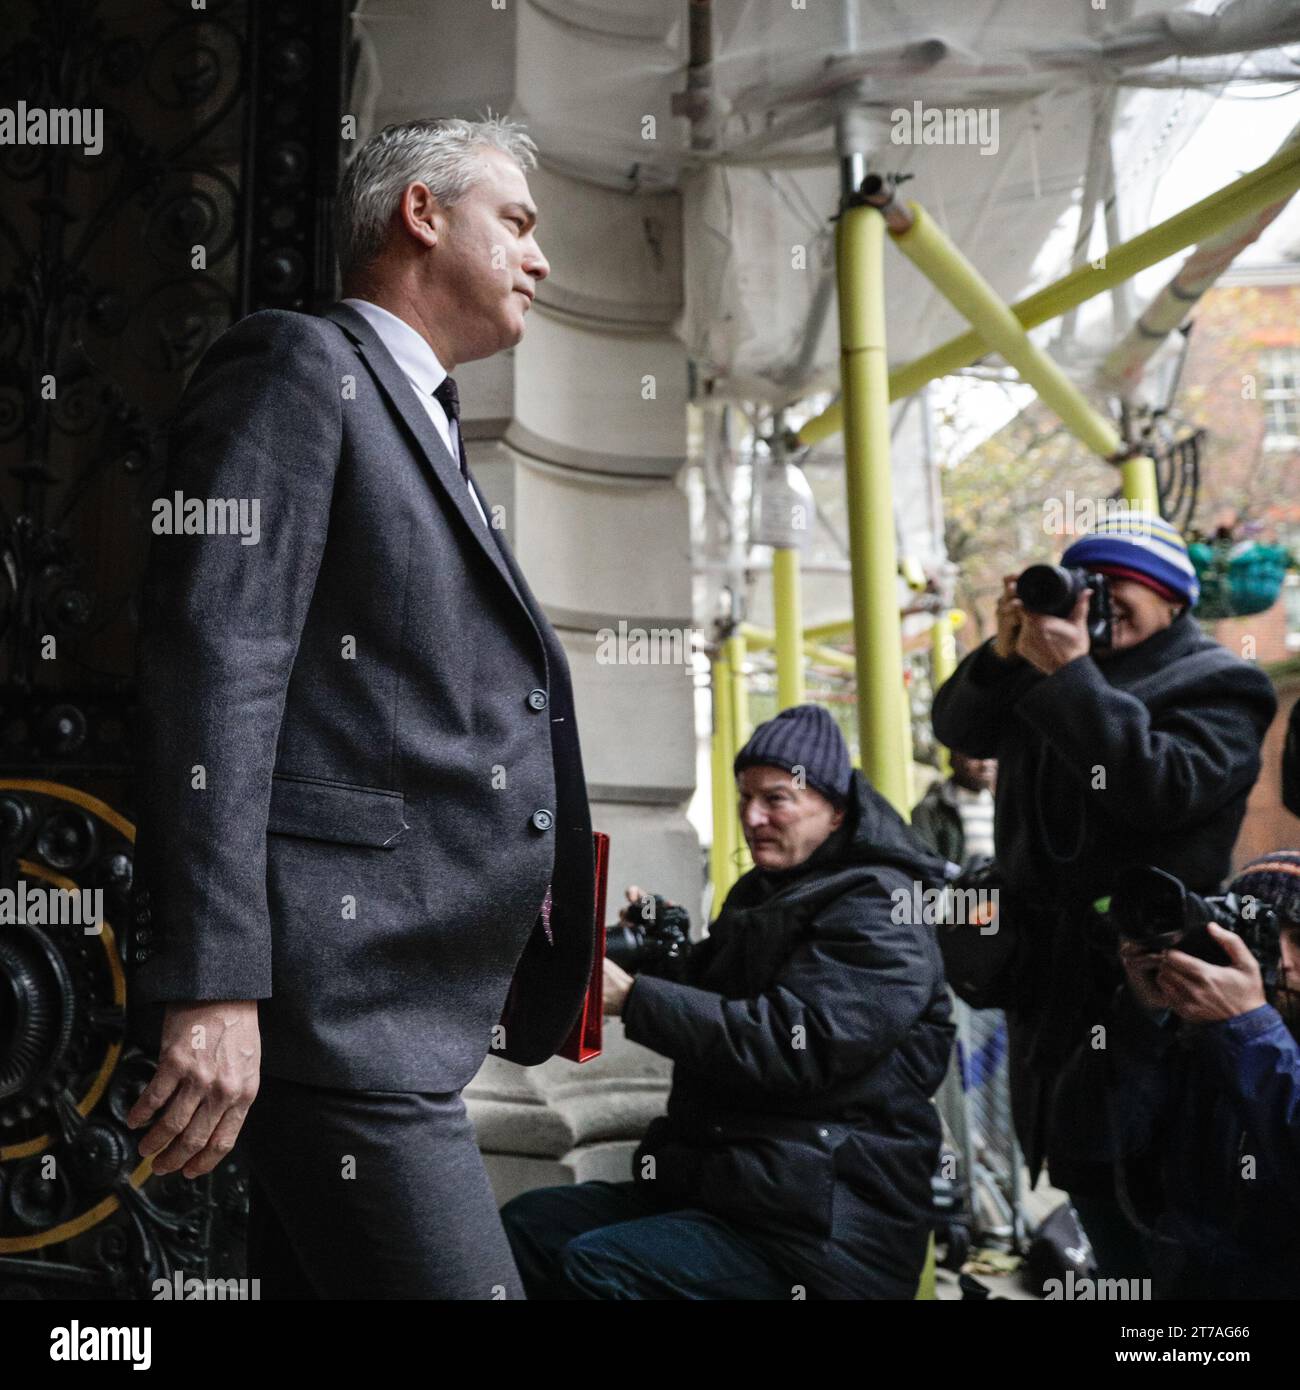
(1051, 589)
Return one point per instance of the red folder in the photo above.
(584, 1042)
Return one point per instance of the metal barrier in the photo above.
(975, 1105)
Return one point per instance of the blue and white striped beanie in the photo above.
(1141, 546)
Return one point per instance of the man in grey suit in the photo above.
(364, 852)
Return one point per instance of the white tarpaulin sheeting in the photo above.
(1025, 95)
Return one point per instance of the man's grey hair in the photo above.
(444, 154)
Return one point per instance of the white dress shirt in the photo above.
(420, 366)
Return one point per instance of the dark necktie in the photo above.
(449, 398)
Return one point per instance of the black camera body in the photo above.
(1156, 911)
(650, 933)
(1055, 589)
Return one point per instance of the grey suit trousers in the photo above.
(371, 1194)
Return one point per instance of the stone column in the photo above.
(578, 435)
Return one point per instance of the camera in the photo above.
(1054, 590)
(1156, 911)
(651, 933)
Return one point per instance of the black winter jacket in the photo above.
(936, 822)
(1145, 758)
(809, 1031)
(1291, 763)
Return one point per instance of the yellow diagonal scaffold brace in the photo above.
(1251, 193)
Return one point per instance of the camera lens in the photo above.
(1046, 589)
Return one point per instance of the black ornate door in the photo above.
(128, 241)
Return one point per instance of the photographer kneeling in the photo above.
(1210, 1103)
(1121, 747)
(809, 1031)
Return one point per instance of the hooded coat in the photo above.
(809, 1031)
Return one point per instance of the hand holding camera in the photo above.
(1047, 618)
(1065, 613)
(651, 933)
(1205, 958)
(1199, 992)
(1195, 990)
(1010, 613)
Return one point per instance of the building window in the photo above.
(1281, 397)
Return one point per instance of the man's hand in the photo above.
(634, 896)
(207, 1078)
(1049, 643)
(1011, 613)
(1202, 993)
(615, 988)
(1141, 968)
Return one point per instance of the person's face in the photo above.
(1288, 1003)
(485, 262)
(783, 823)
(1139, 613)
(975, 774)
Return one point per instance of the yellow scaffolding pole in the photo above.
(788, 614)
(909, 767)
(943, 661)
(922, 241)
(1138, 477)
(740, 731)
(1271, 182)
(829, 632)
(722, 851)
(759, 638)
(883, 724)
(740, 727)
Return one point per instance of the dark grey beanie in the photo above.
(803, 736)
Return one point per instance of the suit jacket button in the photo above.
(143, 914)
(142, 954)
(537, 699)
(543, 819)
(142, 936)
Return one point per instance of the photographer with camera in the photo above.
(809, 1031)
(1123, 736)
(1209, 1106)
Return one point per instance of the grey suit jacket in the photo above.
(358, 758)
